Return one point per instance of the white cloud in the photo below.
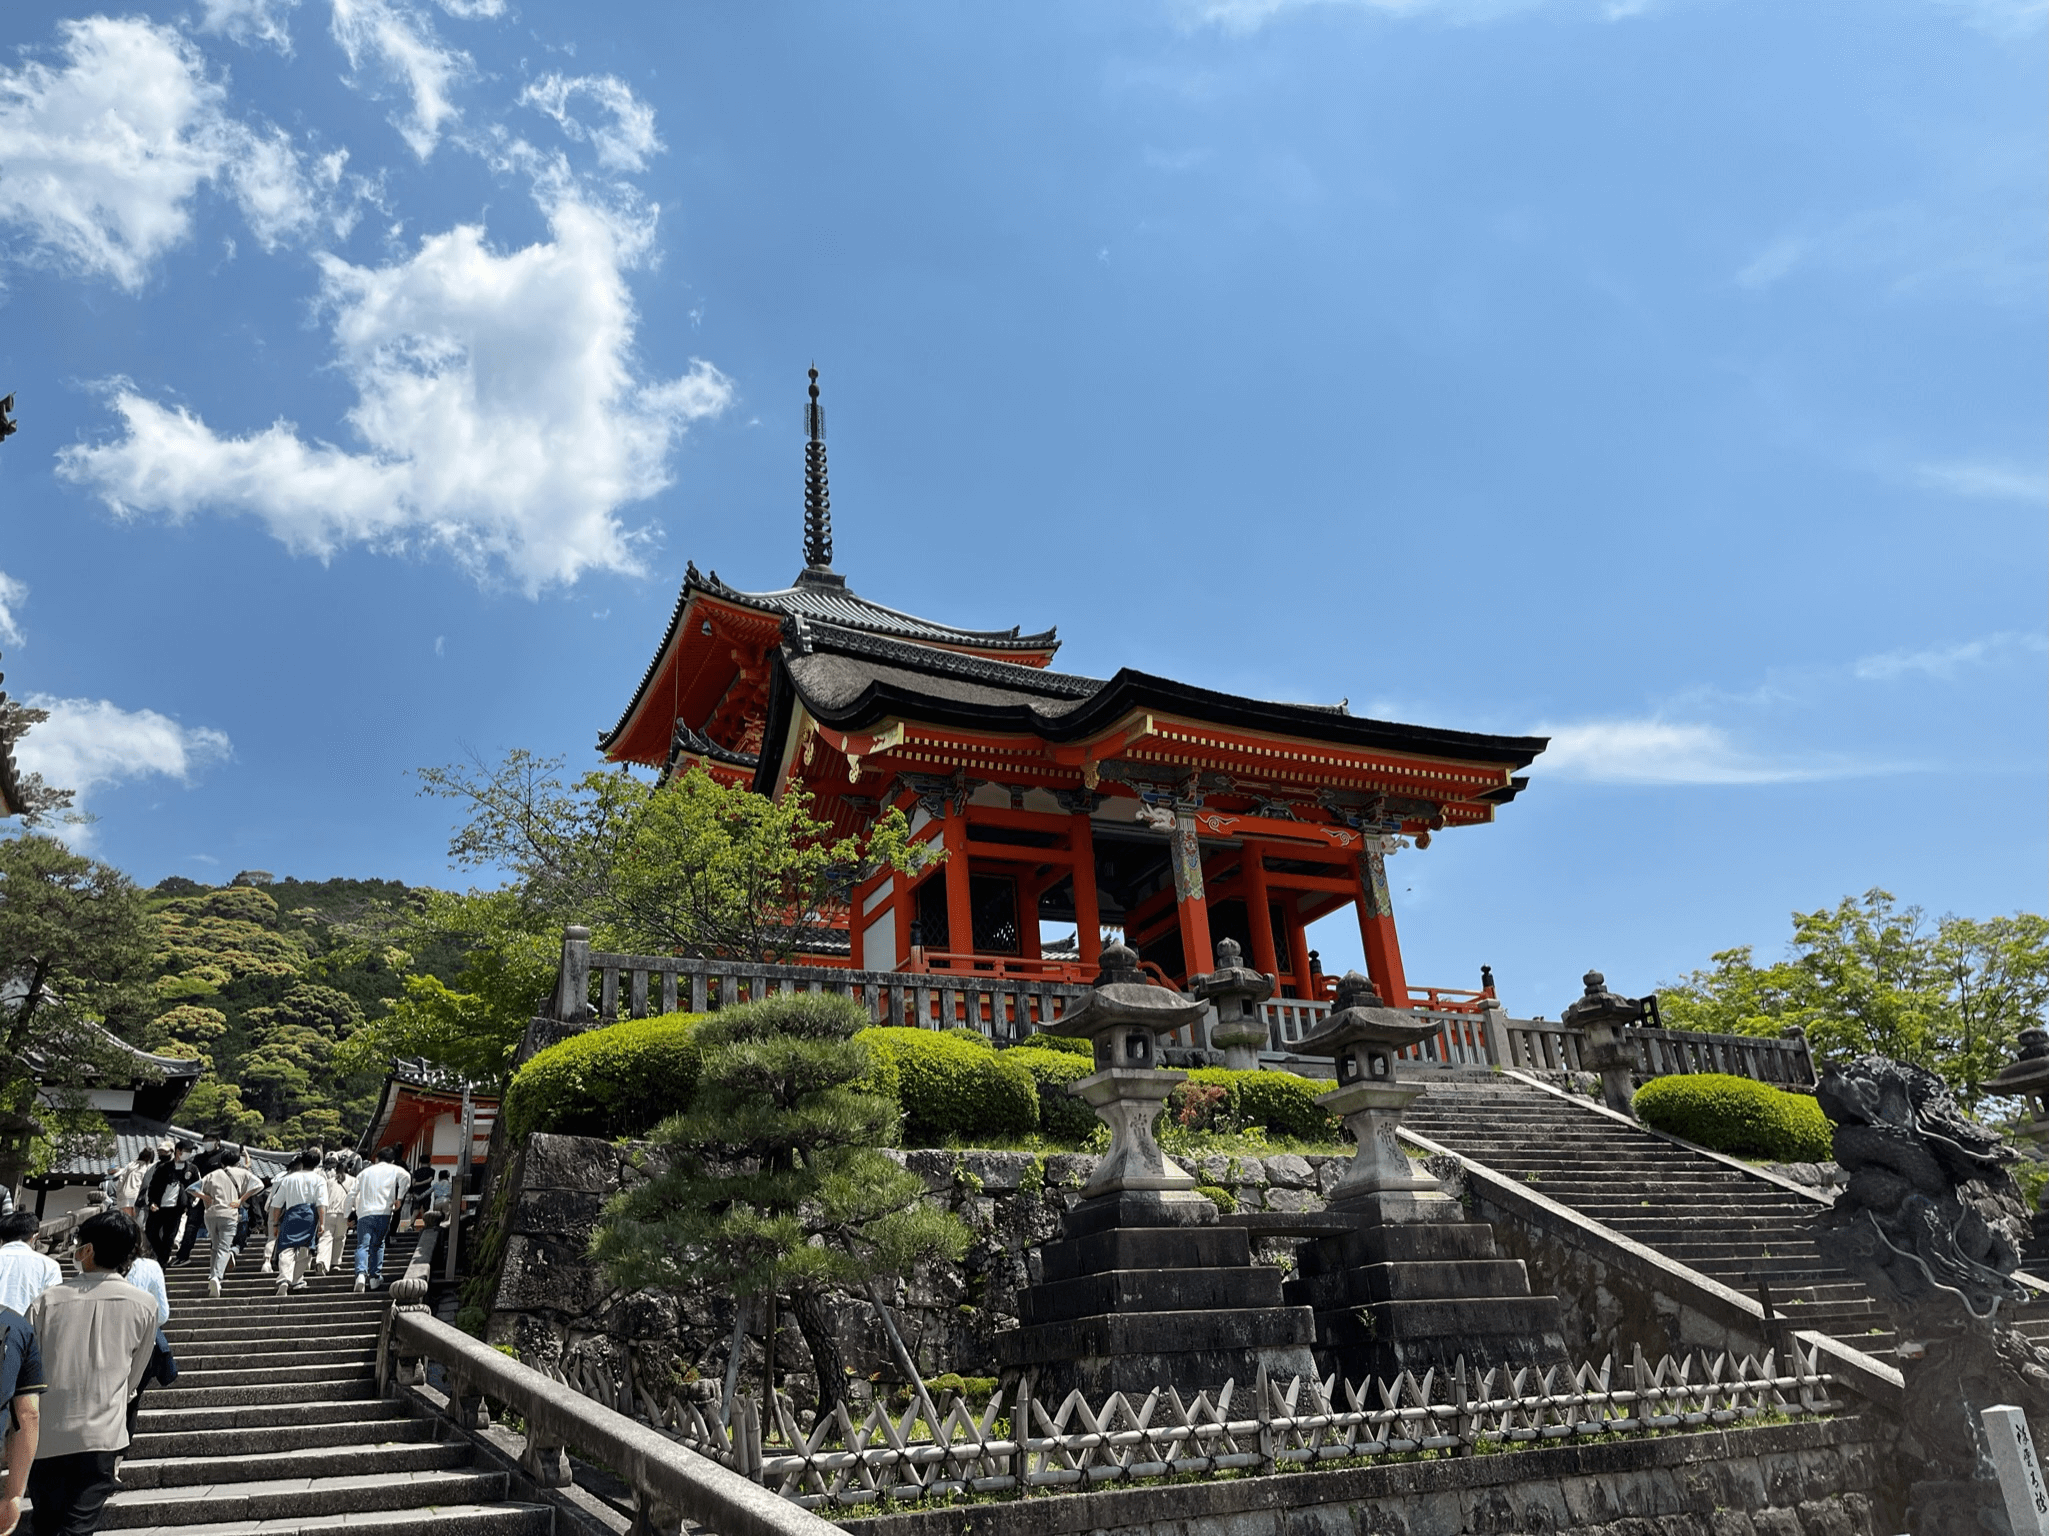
(1986, 479)
(102, 155)
(501, 414)
(90, 744)
(1945, 661)
(1661, 752)
(473, 10)
(13, 593)
(623, 146)
(261, 21)
(405, 45)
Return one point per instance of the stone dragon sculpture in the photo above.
(1932, 1222)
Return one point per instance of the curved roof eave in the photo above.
(1130, 689)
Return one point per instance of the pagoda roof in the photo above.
(822, 595)
(851, 681)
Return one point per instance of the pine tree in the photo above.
(776, 1187)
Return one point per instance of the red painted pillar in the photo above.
(1298, 942)
(1258, 908)
(960, 908)
(1190, 904)
(1376, 928)
(1088, 912)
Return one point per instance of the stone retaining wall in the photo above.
(550, 1298)
(1802, 1479)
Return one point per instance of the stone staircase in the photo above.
(275, 1418)
(1746, 1232)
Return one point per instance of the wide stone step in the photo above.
(260, 1413)
(194, 1351)
(442, 1520)
(269, 1357)
(338, 1391)
(215, 1469)
(266, 1439)
(290, 1498)
(273, 1375)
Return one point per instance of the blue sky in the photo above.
(1669, 377)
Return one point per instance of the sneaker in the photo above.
(213, 1289)
(298, 1285)
(266, 1270)
(362, 1283)
(283, 1287)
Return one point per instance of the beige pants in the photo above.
(334, 1236)
(293, 1263)
(220, 1238)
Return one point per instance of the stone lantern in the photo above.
(1363, 1036)
(2027, 1077)
(1122, 1016)
(1602, 1016)
(1236, 991)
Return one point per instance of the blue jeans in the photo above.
(370, 1235)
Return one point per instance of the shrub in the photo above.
(1737, 1116)
(1068, 1043)
(1219, 1196)
(1062, 1116)
(1279, 1102)
(951, 1085)
(622, 1080)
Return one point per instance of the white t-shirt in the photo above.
(380, 1187)
(299, 1188)
(25, 1275)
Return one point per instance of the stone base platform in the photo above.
(1418, 1295)
(1131, 1308)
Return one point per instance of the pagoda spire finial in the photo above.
(817, 498)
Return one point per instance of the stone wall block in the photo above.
(1288, 1170)
(570, 1162)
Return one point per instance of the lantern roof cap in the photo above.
(1360, 1017)
(1597, 1005)
(2027, 1071)
(1231, 979)
(1121, 997)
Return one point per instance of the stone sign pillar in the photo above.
(1236, 993)
(1408, 1283)
(1145, 1288)
(1605, 1049)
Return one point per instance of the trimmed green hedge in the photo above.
(1737, 1116)
(1279, 1102)
(622, 1080)
(951, 1085)
(1061, 1115)
(1068, 1043)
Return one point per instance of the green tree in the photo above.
(284, 1072)
(775, 1184)
(1868, 975)
(689, 866)
(75, 944)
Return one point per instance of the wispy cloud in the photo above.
(92, 744)
(1946, 661)
(13, 593)
(1987, 479)
(403, 46)
(106, 148)
(250, 21)
(1657, 751)
(625, 142)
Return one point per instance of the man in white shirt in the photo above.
(334, 1227)
(297, 1203)
(24, 1273)
(379, 1189)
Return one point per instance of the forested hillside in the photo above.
(263, 979)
